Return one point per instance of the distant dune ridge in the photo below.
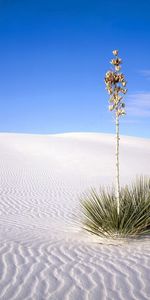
(44, 254)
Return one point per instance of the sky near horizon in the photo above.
(53, 59)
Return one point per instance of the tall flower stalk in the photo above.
(115, 85)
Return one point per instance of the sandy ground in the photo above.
(44, 254)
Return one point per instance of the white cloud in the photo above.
(138, 104)
(145, 73)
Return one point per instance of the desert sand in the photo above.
(44, 253)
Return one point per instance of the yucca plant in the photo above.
(100, 215)
(115, 85)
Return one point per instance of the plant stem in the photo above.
(117, 164)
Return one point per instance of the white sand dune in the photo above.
(44, 254)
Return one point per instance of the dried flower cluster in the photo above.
(115, 83)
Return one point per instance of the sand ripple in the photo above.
(44, 255)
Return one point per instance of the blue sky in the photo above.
(53, 58)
